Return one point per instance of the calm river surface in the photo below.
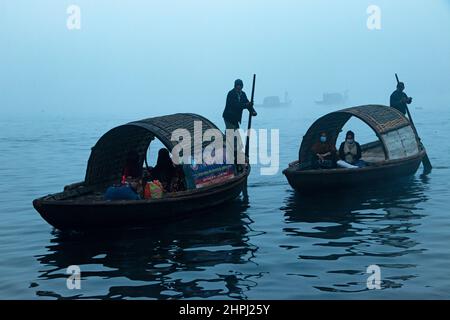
(275, 245)
(61, 89)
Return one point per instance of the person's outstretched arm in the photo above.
(248, 105)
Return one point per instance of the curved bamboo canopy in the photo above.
(109, 154)
(394, 130)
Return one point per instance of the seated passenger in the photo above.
(324, 153)
(131, 183)
(350, 152)
(132, 169)
(167, 173)
(132, 172)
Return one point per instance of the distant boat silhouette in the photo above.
(274, 102)
(335, 98)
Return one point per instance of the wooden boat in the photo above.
(397, 153)
(334, 99)
(82, 205)
(275, 102)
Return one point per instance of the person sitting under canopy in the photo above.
(130, 187)
(167, 173)
(324, 153)
(350, 152)
(133, 168)
(132, 172)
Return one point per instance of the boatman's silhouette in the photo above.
(399, 100)
(237, 101)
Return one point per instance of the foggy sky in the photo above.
(157, 57)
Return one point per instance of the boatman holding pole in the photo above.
(399, 100)
(237, 101)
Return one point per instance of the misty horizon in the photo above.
(183, 56)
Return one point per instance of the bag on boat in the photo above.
(153, 190)
(122, 192)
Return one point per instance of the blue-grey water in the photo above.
(61, 89)
(277, 245)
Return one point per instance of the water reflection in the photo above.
(347, 231)
(161, 263)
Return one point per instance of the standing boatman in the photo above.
(399, 100)
(237, 101)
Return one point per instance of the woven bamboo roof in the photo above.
(382, 119)
(108, 156)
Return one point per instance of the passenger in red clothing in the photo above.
(133, 168)
(324, 153)
(167, 173)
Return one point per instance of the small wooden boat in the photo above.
(397, 153)
(334, 99)
(82, 205)
(275, 102)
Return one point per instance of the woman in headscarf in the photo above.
(167, 173)
(350, 150)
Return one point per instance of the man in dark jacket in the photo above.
(237, 101)
(399, 99)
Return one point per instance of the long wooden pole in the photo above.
(247, 141)
(426, 160)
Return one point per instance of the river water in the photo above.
(277, 245)
(61, 89)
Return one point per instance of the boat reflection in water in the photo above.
(338, 235)
(160, 263)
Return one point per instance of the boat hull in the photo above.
(310, 180)
(81, 215)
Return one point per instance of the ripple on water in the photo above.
(279, 244)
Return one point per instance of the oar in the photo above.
(427, 167)
(247, 141)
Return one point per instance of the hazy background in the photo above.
(60, 90)
(145, 58)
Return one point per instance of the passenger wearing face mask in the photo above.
(324, 153)
(350, 151)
